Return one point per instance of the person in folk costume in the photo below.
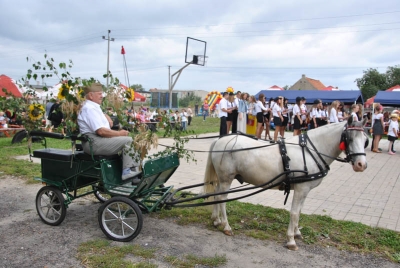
(333, 118)
(259, 109)
(242, 112)
(297, 121)
(233, 108)
(278, 117)
(285, 114)
(315, 114)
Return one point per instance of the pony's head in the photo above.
(354, 141)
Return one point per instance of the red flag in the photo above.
(122, 50)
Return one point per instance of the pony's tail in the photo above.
(210, 176)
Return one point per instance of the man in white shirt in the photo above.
(105, 141)
(223, 114)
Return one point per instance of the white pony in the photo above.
(227, 160)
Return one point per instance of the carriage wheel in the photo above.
(102, 196)
(50, 205)
(120, 219)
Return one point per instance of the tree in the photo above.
(371, 82)
(138, 87)
(189, 99)
(393, 75)
(286, 87)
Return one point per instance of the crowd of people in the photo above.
(235, 113)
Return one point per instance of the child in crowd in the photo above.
(184, 119)
(3, 120)
(393, 132)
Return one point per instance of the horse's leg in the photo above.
(300, 193)
(215, 214)
(224, 218)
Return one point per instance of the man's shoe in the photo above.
(135, 181)
(379, 149)
(130, 174)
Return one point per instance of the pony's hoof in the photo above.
(228, 232)
(298, 236)
(292, 247)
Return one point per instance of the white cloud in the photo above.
(258, 43)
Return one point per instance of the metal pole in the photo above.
(108, 53)
(108, 56)
(172, 82)
(169, 88)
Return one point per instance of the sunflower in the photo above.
(63, 91)
(130, 94)
(81, 94)
(36, 111)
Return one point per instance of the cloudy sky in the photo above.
(251, 45)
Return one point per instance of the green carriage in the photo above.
(70, 174)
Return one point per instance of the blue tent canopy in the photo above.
(345, 96)
(389, 98)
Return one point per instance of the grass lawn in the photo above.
(198, 126)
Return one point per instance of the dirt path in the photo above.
(27, 242)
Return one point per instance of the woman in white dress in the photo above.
(242, 110)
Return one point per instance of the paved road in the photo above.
(371, 197)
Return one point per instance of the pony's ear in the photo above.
(350, 120)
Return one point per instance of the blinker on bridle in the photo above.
(344, 143)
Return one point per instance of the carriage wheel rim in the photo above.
(120, 220)
(50, 207)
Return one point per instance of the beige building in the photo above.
(306, 83)
(182, 93)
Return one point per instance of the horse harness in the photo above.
(304, 139)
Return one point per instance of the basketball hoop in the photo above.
(199, 59)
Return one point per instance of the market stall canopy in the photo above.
(369, 101)
(9, 84)
(388, 98)
(345, 96)
(138, 97)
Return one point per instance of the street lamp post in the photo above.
(108, 53)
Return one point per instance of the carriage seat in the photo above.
(66, 155)
(54, 154)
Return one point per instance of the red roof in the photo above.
(9, 84)
(138, 97)
(316, 83)
(275, 87)
(395, 88)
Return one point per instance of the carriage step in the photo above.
(125, 189)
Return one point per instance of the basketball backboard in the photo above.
(195, 51)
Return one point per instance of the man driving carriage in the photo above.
(97, 126)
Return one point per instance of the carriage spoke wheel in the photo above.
(50, 205)
(120, 219)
